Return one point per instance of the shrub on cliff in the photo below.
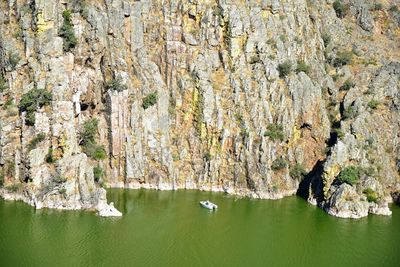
(98, 173)
(67, 32)
(285, 69)
(149, 100)
(275, 132)
(279, 164)
(343, 58)
(88, 141)
(50, 157)
(349, 175)
(340, 9)
(95, 151)
(371, 195)
(373, 104)
(3, 84)
(32, 101)
(393, 8)
(347, 85)
(36, 140)
(115, 85)
(297, 172)
(13, 60)
(326, 38)
(302, 67)
(88, 132)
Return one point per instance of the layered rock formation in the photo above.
(255, 98)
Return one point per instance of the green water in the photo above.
(171, 229)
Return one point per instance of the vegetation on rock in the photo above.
(371, 195)
(297, 172)
(347, 85)
(279, 164)
(87, 140)
(36, 140)
(98, 173)
(285, 69)
(373, 104)
(116, 85)
(50, 157)
(275, 132)
(349, 175)
(302, 67)
(343, 58)
(149, 100)
(326, 38)
(32, 101)
(67, 32)
(3, 85)
(13, 60)
(340, 9)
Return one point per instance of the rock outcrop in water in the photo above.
(257, 98)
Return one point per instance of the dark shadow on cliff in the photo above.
(313, 181)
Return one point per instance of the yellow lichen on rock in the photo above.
(43, 25)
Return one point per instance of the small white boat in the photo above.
(208, 205)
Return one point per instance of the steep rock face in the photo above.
(194, 94)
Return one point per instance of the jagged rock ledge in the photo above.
(103, 209)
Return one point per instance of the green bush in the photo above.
(60, 179)
(347, 85)
(116, 85)
(302, 67)
(275, 132)
(393, 8)
(326, 38)
(339, 133)
(371, 195)
(67, 32)
(3, 85)
(377, 6)
(343, 58)
(98, 173)
(297, 172)
(95, 151)
(279, 164)
(36, 140)
(373, 104)
(349, 175)
(340, 9)
(13, 60)
(89, 131)
(349, 113)
(9, 102)
(62, 191)
(88, 141)
(32, 101)
(207, 156)
(285, 69)
(283, 38)
(149, 100)
(49, 157)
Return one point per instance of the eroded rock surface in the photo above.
(194, 94)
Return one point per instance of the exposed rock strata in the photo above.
(213, 67)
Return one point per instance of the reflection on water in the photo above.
(164, 228)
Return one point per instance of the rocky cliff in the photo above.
(260, 98)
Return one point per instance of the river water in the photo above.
(164, 228)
